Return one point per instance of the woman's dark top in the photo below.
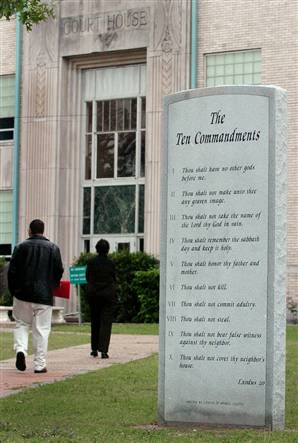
(101, 278)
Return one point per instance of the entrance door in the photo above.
(117, 243)
(114, 137)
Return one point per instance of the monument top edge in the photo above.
(261, 90)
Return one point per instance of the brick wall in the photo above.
(8, 47)
(272, 26)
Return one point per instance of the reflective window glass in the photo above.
(141, 208)
(126, 154)
(106, 116)
(143, 145)
(88, 157)
(113, 116)
(143, 111)
(105, 155)
(6, 128)
(114, 209)
(120, 115)
(89, 117)
(86, 210)
(99, 116)
(127, 114)
(6, 217)
(7, 96)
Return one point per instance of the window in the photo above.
(233, 68)
(114, 168)
(7, 106)
(120, 136)
(5, 222)
(113, 147)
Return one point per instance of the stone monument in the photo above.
(223, 257)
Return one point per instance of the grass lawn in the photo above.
(56, 341)
(119, 404)
(118, 328)
(65, 335)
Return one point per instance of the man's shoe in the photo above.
(104, 355)
(21, 361)
(40, 371)
(94, 354)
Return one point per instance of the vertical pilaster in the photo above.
(168, 59)
(40, 116)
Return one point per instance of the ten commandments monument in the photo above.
(223, 257)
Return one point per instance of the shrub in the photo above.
(3, 263)
(5, 296)
(127, 264)
(146, 286)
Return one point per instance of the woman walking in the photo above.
(101, 295)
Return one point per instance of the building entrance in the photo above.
(113, 156)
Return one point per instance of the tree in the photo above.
(30, 11)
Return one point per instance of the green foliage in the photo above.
(66, 335)
(146, 286)
(6, 298)
(30, 11)
(56, 341)
(3, 263)
(118, 328)
(127, 264)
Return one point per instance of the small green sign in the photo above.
(77, 275)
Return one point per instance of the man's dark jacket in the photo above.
(101, 278)
(35, 269)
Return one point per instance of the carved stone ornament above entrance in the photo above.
(107, 38)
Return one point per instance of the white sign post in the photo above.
(77, 276)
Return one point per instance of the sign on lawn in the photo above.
(77, 275)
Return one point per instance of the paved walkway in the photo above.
(67, 362)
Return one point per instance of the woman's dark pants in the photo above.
(101, 323)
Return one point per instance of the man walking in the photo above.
(34, 271)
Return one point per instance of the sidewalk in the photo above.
(67, 362)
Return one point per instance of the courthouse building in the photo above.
(81, 101)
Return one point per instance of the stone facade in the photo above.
(59, 50)
(108, 33)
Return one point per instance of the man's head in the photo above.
(102, 247)
(36, 227)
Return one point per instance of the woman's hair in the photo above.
(102, 247)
